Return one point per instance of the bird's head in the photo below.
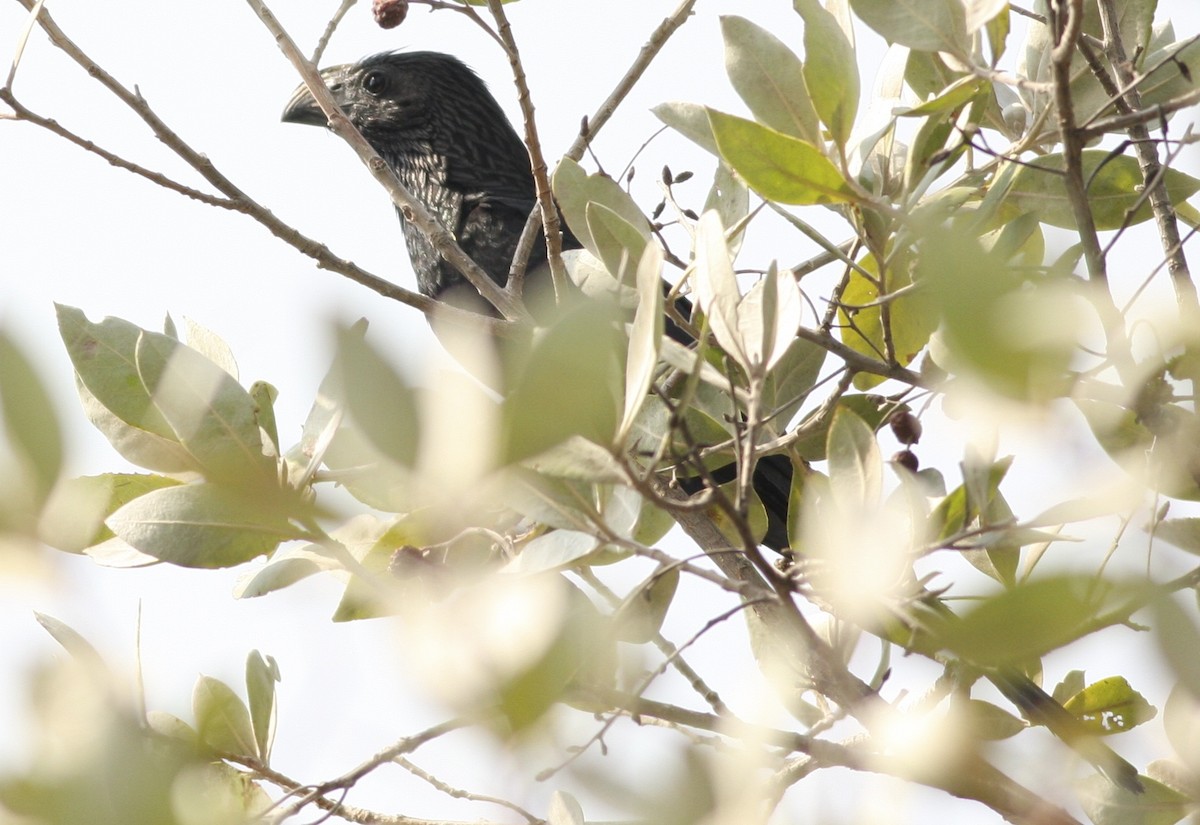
(398, 96)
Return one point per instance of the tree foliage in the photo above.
(980, 200)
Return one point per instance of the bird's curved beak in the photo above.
(303, 108)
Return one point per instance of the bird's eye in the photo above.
(375, 83)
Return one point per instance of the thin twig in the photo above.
(330, 28)
(537, 164)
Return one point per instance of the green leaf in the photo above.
(641, 615)
(689, 120)
(770, 79)
(163, 404)
(262, 674)
(30, 423)
(830, 69)
(924, 25)
(756, 329)
(855, 466)
(777, 166)
(222, 718)
(201, 525)
(1114, 187)
(574, 190)
(645, 337)
(619, 243)
(728, 197)
(569, 384)
(1110, 706)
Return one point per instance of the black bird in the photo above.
(440, 130)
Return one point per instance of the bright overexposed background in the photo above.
(77, 231)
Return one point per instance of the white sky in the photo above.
(77, 231)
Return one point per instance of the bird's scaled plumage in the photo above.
(440, 130)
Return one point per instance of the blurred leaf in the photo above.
(979, 12)
(287, 566)
(855, 466)
(1070, 684)
(569, 385)
(71, 640)
(564, 810)
(1110, 706)
(555, 550)
(264, 396)
(770, 79)
(1113, 189)
(201, 525)
(1025, 622)
(1107, 803)
(830, 70)
(1179, 640)
(989, 722)
(222, 719)
(777, 166)
(377, 399)
(30, 423)
(262, 674)
(582, 651)
(924, 25)
(1184, 533)
(641, 615)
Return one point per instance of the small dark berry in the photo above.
(389, 13)
(908, 460)
(906, 427)
(682, 176)
(667, 177)
(690, 214)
